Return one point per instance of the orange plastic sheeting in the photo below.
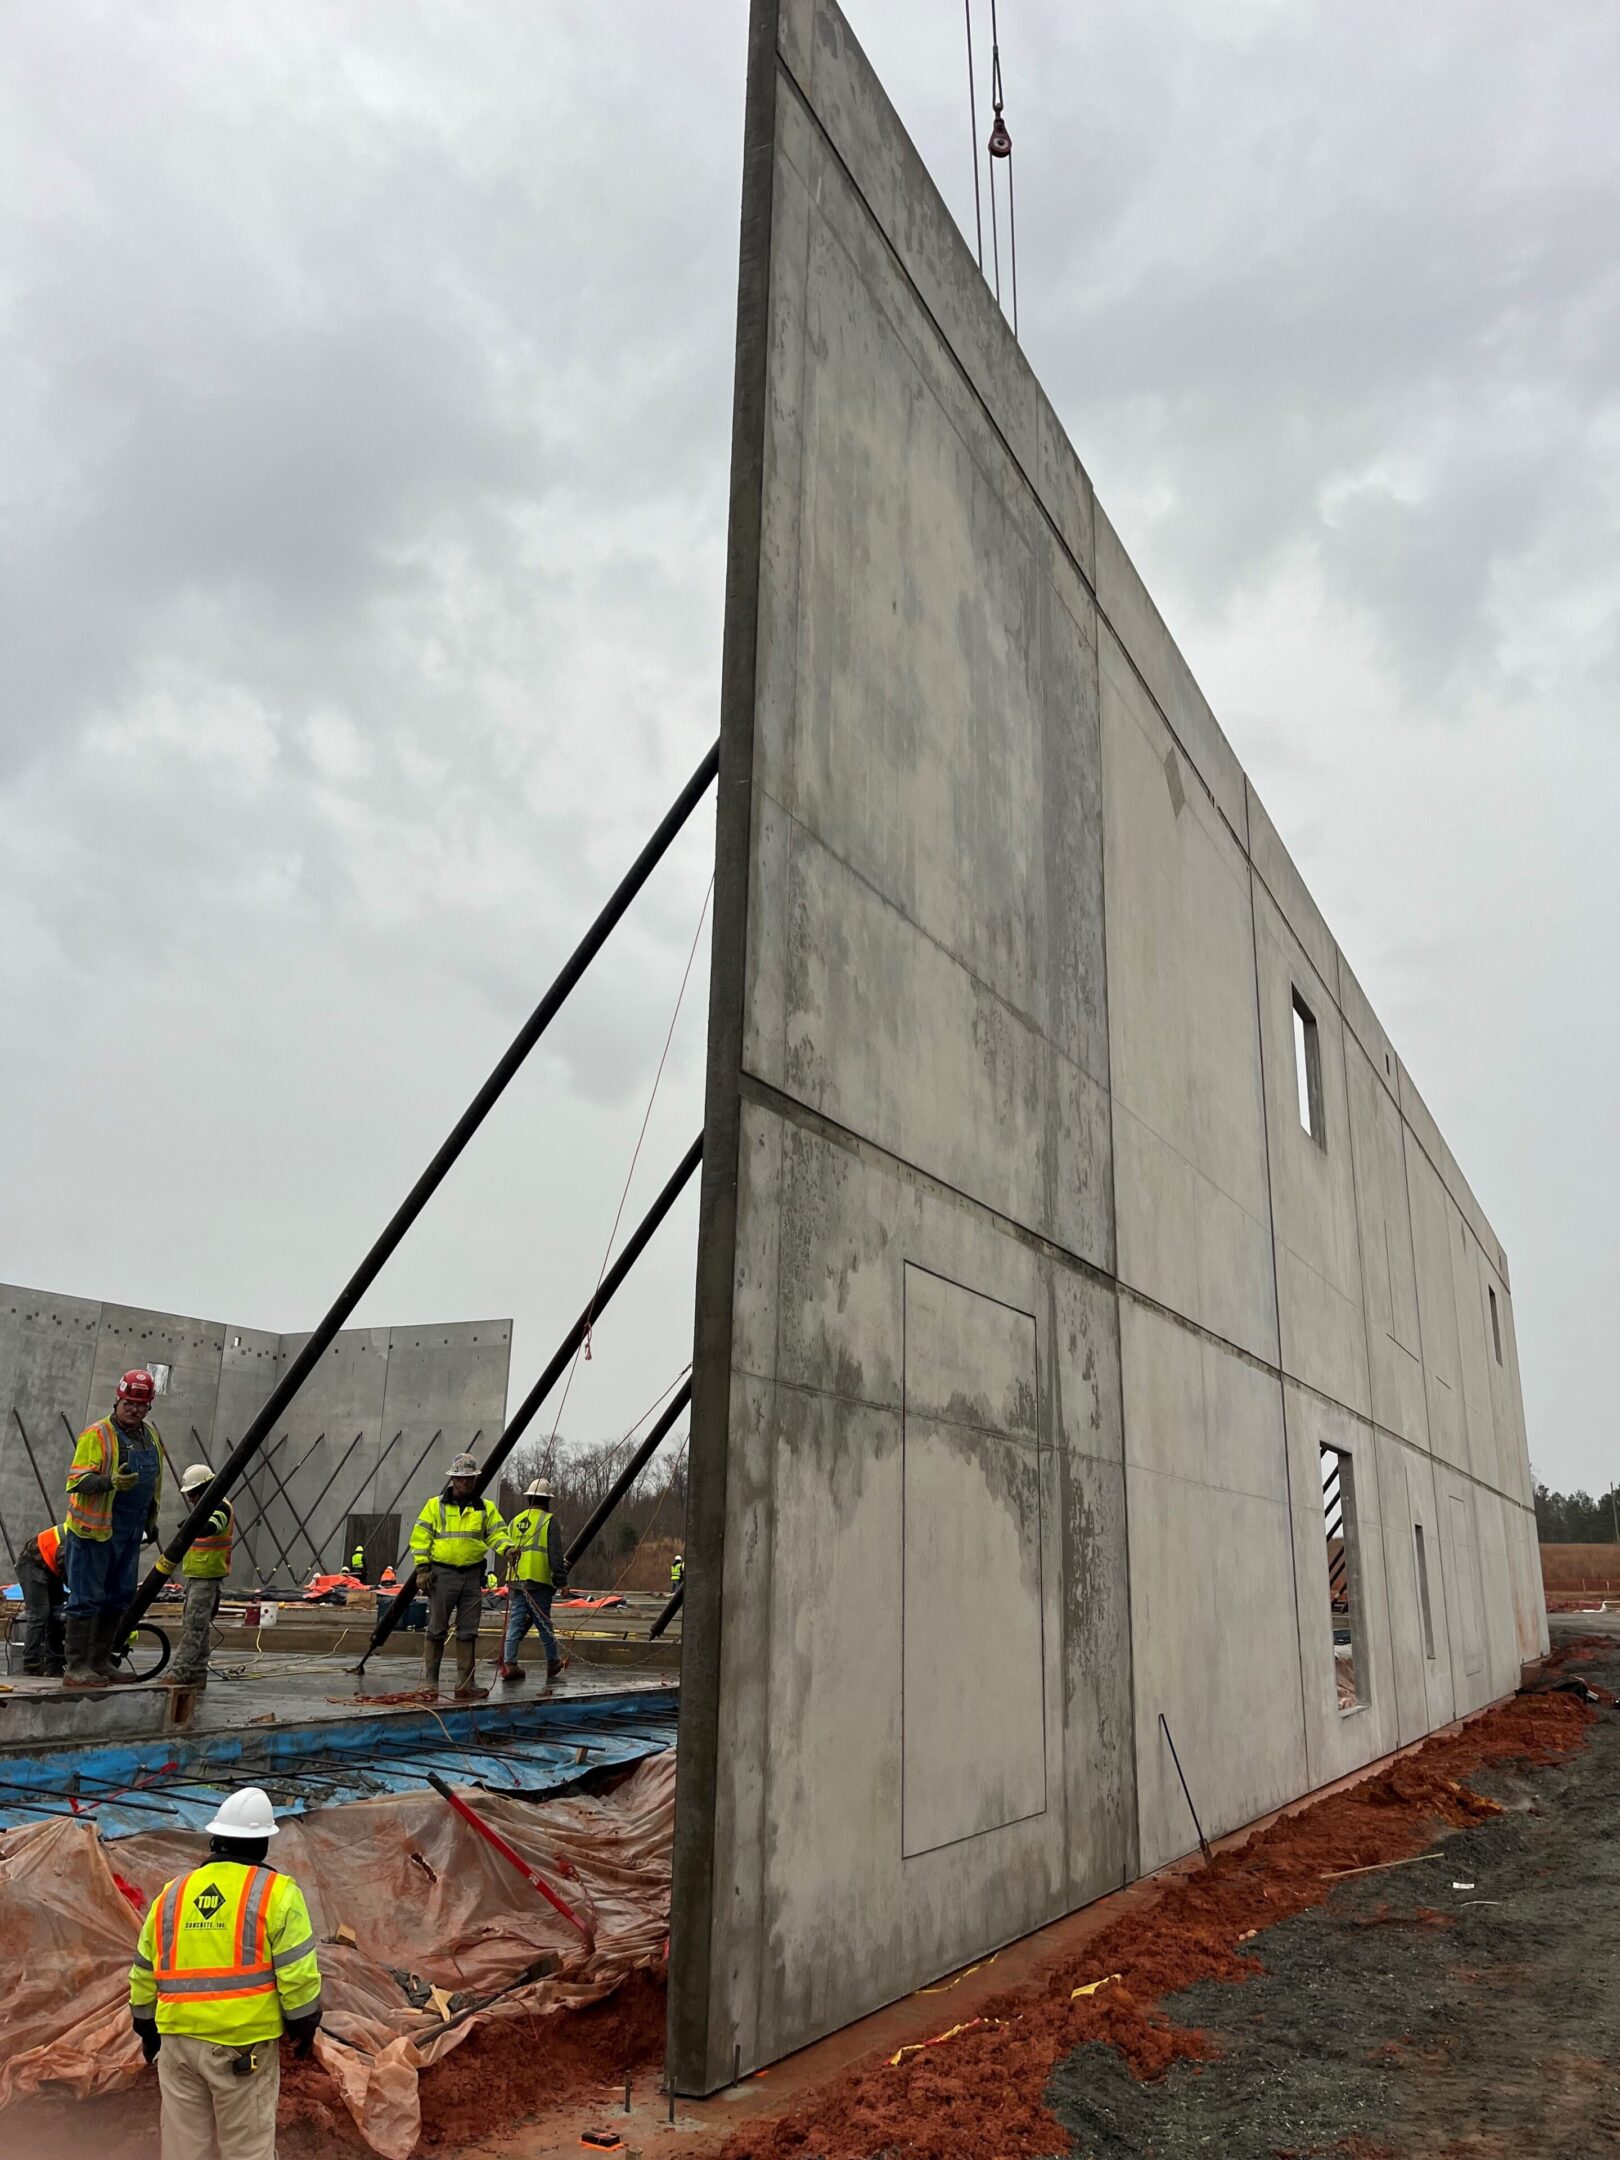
(418, 1887)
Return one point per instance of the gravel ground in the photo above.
(1407, 2019)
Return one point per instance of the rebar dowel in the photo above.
(667, 1615)
(425, 1187)
(519, 1422)
(628, 1475)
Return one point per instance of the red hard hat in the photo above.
(137, 1387)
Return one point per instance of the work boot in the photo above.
(78, 1672)
(432, 1659)
(466, 1659)
(510, 1672)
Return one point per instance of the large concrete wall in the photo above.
(1026, 1304)
(371, 1431)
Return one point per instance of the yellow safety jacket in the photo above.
(529, 1536)
(100, 1453)
(448, 1535)
(228, 1954)
(208, 1558)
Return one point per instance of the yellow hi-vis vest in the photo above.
(527, 1535)
(447, 1535)
(208, 1558)
(100, 1453)
(228, 1954)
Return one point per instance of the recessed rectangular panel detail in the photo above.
(973, 1709)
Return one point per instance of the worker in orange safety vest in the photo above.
(39, 1577)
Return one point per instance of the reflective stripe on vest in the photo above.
(217, 1541)
(532, 1545)
(93, 1517)
(252, 1970)
(50, 1545)
(464, 1529)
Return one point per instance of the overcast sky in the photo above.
(366, 401)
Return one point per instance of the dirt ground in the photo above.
(1261, 2012)
(1406, 2017)
(1251, 2009)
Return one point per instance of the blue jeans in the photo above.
(529, 1603)
(102, 1572)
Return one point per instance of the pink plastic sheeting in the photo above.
(417, 1885)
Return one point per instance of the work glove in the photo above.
(425, 1579)
(95, 1486)
(126, 1480)
(151, 2039)
(301, 2032)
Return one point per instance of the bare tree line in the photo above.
(645, 1530)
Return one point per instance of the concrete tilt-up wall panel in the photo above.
(1034, 1322)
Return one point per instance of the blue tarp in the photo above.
(543, 1745)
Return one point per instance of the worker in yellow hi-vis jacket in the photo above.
(225, 1964)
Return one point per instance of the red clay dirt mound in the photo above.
(495, 2079)
(977, 2096)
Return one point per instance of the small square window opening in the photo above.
(1308, 1070)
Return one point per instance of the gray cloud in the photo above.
(362, 521)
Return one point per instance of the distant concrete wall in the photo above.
(1026, 1304)
(371, 1431)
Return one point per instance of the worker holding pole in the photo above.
(114, 1484)
(450, 1543)
(224, 1966)
(540, 1573)
(205, 1567)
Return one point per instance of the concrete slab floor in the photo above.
(279, 1688)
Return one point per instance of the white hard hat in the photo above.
(245, 1814)
(464, 1466)
(195, 1474)
(537, 1489)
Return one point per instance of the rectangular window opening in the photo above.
(160, 1377)
(1308, 1070)
(1423, 1592)
(1344, 1578)
(1496, 1322)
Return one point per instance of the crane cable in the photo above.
(1000, 145)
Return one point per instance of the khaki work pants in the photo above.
(209, 2113)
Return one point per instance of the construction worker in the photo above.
(452, 1536)
(114, 1484)
(205, 1567)
(540, 1573)
(677, 1573)
(225, 1964)
(39, 1577)
(357, 1562)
